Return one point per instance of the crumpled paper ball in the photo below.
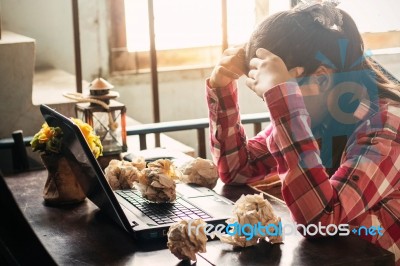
(165, 166)
(157, 181)
(139, 162)
(251, 209)
(122, 174)
(185, 245)
(200, 171)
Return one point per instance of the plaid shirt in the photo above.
(365, 189)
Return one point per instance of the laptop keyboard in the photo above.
(163, 213)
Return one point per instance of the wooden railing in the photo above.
(18, 143)
(200, 125)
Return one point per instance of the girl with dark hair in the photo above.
(335, 119)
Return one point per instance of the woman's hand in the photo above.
(230, 67)
(268, 70)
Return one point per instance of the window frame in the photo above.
(124, 62)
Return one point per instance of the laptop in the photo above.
(137, 216)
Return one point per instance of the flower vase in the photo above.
(61, 186)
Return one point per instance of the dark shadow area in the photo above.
(19, 245)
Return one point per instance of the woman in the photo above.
(335, 119)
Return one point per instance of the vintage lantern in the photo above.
(106, 116)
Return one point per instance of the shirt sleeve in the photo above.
(368, 172)
(239, 160)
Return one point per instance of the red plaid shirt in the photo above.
(365, 189)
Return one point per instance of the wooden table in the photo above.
(82, 235)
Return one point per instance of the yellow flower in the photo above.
(85, 128)
(49, 139)
(91, 138)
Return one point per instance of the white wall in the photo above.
(49, 22)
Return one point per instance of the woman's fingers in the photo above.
(252, 73)
(239, 51)
(234, 60)
(263, 53)
(221, 76)
(251, 83)
(226, 72)
(255, 63)
(230, 67)
(264, 56)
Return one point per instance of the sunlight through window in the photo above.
(187, 23)
(188, 33)
(372, 15)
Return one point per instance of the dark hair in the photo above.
(297, 37)
(301, 40)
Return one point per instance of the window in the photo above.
(372, 15)
(378, 21)
(186, 23)
(188, 33)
